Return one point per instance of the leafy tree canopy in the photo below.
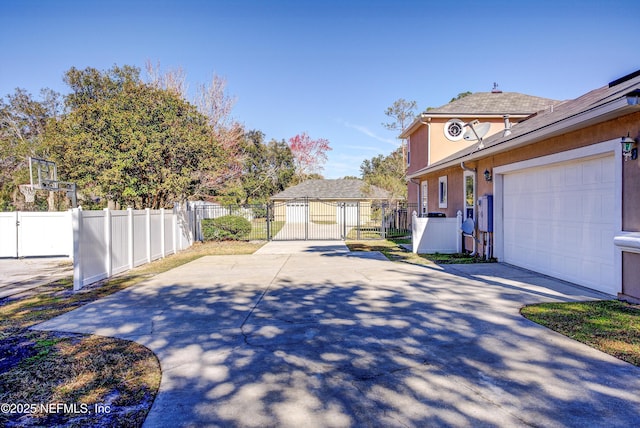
(309, 155)
(22, 123)
(268, 168)
(133, 143)
(386, 172)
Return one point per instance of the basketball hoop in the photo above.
(29, 192)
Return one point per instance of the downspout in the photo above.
(417, 183)
(467, 168)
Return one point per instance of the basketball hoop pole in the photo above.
(30, 172)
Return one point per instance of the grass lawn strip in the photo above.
(53, 368)
(611, 326)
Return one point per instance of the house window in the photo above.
(425, 196)
(469, 195)
(442, 192)
(408, 151)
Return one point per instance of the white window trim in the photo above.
(442, 192)
(464, 193)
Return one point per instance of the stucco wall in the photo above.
(587, 136)
(631, 275)
(418, 146)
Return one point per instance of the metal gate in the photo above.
(307, 219)
(312, 219)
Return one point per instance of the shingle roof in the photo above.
(333, 189)
(494, 103)
(488, 104)
(560, 118)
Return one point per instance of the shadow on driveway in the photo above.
(316, 340)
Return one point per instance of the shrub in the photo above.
(225, 228)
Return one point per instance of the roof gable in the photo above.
(497, 103)
(333, 189)
(596, 106)
(486, 104)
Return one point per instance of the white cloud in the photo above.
(366, 131)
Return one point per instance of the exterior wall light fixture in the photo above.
(487, 175)
(629, 148)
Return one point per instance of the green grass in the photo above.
(610, 326)
(259, 229)
(393, 251)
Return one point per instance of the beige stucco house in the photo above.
(440, 132)
(556, 194)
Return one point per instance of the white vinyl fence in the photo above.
(437, 234)
(101, 243)
(35, 234)
(108, 242)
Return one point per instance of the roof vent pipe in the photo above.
(507, 126)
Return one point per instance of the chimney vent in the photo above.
(495, 89)
(507, 126)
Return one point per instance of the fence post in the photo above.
(307, 218)
(268, 221)
(174, 227)
(147, 214)
(130, 236)
(162, 234)
(344, 220)
(383, 229)
(359, 219)
(107, 242)
(76, 223)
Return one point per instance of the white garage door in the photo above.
(347, 213)
(558, 220)
(297, 212)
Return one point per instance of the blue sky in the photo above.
(330, 68)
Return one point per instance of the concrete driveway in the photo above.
(327, 338)
(19, 275)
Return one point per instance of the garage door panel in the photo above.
(560, 223)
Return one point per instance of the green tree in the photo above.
(133, 143)
(402, 112)
(267, 169)
(386, 172)
(459, 96)
(22, 123)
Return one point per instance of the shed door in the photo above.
(297, 212)
(347, 213)
(558, 221)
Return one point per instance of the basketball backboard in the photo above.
(43, 174)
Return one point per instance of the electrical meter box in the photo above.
(485, 213)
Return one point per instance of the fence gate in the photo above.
(308, 219)
(35, 234)
(313, 219)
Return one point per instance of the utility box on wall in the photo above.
(485, 213)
